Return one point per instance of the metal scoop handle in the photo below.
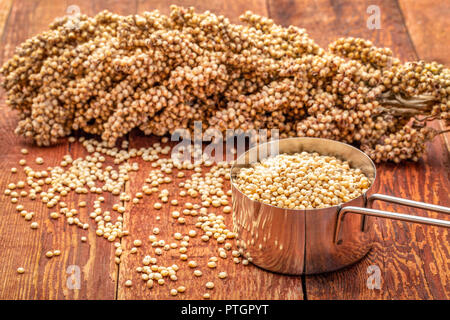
(393, 215)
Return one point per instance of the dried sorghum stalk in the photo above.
(109, 74)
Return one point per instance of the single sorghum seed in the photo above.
(157, 206)
(197, 273)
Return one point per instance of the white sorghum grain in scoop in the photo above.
(302, 181)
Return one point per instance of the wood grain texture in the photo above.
(45, 278)
(5, 10)
(413, 259)
(22, 246)
(428, 26)
(141, 220)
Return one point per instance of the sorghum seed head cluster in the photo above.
(158, 73)
(302, 181)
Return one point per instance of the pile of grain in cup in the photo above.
(302, 181)
(194, 195)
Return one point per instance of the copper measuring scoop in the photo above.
(313, 240)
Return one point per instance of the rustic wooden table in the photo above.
(413, 260)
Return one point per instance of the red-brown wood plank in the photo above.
(243, 282)
(413, 259)
(428, 24)
(22, 246)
